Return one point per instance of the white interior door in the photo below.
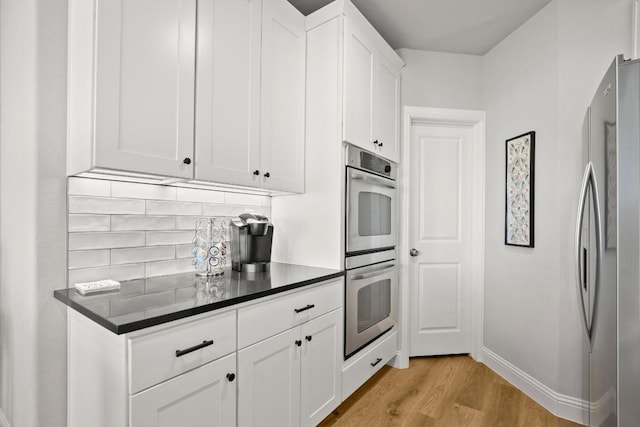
(440, 232)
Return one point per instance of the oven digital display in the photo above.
(375, 164)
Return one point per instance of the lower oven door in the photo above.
(371, 304)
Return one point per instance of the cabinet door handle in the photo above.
(308, 337)
(378, 360)
(380, 144)
(267, 175)
(256, 172)
(187, 161)
(299, 343)
(231, 376)
(308, 307)
(194, 348)
(375, 142)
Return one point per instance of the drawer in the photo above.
(269, 318)
(153, 358)
(360, 367)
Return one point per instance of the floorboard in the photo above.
(447, 391)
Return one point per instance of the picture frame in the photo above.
(519, 190)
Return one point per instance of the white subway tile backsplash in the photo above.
(145, 254)
(104, 205)
(88, 222)
(100, 240)
(124, 231)
(142, 222)
(89, 187)
(186, 222)
(161, 268)
(119, 273)
(85, 259)
(158, 238)
(242, 199)
(155, 207)
(136, 190)
(223, 210)
(184, 251)
(198, 195)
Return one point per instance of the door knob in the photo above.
(414, 252)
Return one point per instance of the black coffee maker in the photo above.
(251, 237)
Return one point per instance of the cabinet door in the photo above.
(359, 56)
(228, 91)
(386, 109)
(321, 367)
(204, 396)
(269, 388)
(283, 97)
(144, 101)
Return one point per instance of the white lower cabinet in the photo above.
(272, 363)
(363, 365)
(269, 382)
(205, 395)
(321, 379)
(292, 378)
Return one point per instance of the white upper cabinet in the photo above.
(358, 87)
(371, 90)
(133, 110)
(387, 109)
(212, 90)
(228, 91)
(283, 97)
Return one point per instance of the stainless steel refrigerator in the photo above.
(608, 247)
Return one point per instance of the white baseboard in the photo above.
(570, 408)
(401, 361)
(4, 422)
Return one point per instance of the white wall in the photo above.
(541, 78)
(521, 306)
(441, 80)
(33, 215)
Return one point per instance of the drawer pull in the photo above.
(300, 310)
(299, 343)
(194, 348)
(378, 360)
(308, 338)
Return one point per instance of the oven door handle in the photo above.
(373, 273)
(372, 178)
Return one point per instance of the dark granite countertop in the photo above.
(148, 302)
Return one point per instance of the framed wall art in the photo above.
(519, 166)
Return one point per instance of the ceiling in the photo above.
(456, 26)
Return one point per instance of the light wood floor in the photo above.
(446, 391)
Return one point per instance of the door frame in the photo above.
(475, 121)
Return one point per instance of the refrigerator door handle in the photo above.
(586, 181)
(599, 243)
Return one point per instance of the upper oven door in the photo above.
(371, 211)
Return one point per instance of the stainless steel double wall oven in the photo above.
(371, 236)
